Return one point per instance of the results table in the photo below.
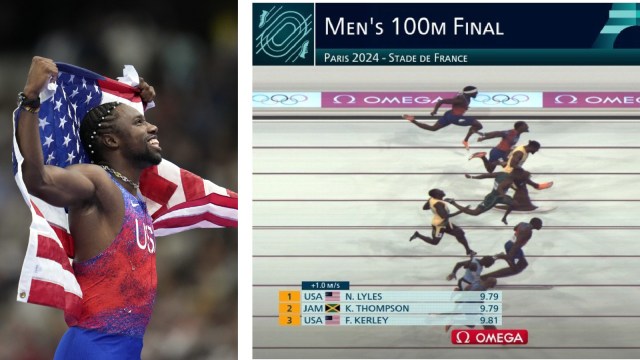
(356, 308)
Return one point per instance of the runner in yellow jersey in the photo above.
(440, 223)
(519, 155)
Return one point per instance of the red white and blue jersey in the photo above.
(509, 139)
(119, 285)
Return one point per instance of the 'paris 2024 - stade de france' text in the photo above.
(374, 57)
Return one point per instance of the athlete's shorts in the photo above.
(463, 283)
(450, 118)
(477, 286)
(437, 232)
(496, 155)
(80, 344)
(492, 199)
(519, 254)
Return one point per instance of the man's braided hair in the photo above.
(98, 121)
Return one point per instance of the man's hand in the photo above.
(545, 185)
(409, 117)
(433, 113)
(147, 93)
(451, 276)
(41, 71)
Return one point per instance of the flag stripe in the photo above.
(193, 185)
(36, 209)
(226, 205)
(221, 212)
(156, 188)
(47, 293)
(50, 249)
(65, 238)
(53, 272)
(210, 187)
(107, 97)
(51, 294)
(190, 220)
(53, 215)
(171, 173)
(120, 90)
(198, 225)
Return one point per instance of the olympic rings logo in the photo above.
(282, 99)
(501, 99)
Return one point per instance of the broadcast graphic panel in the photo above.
(446, 180)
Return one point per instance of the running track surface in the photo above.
(337, 198)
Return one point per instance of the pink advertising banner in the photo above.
(577, 99)
(354, 99)
(426, 100)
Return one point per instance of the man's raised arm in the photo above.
(55, 185)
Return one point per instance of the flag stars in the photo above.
(71, 78)
(70, 157)
(48, 140)
(66, 140)
(50, 158)
(43, 122)
(95, 86)
(88, 98)
(74, 93)
(58, 105)
(74, 106)
(84, 83)
(63, 121)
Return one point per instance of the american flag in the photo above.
(177, 200)
(332, 320)
(332, 296)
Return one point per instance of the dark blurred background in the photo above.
(188, 51)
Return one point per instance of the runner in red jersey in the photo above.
(501, 152)
(459, 106)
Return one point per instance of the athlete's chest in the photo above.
(137, 229)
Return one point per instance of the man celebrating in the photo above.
(111, 236)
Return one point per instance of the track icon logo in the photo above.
(283, 34)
